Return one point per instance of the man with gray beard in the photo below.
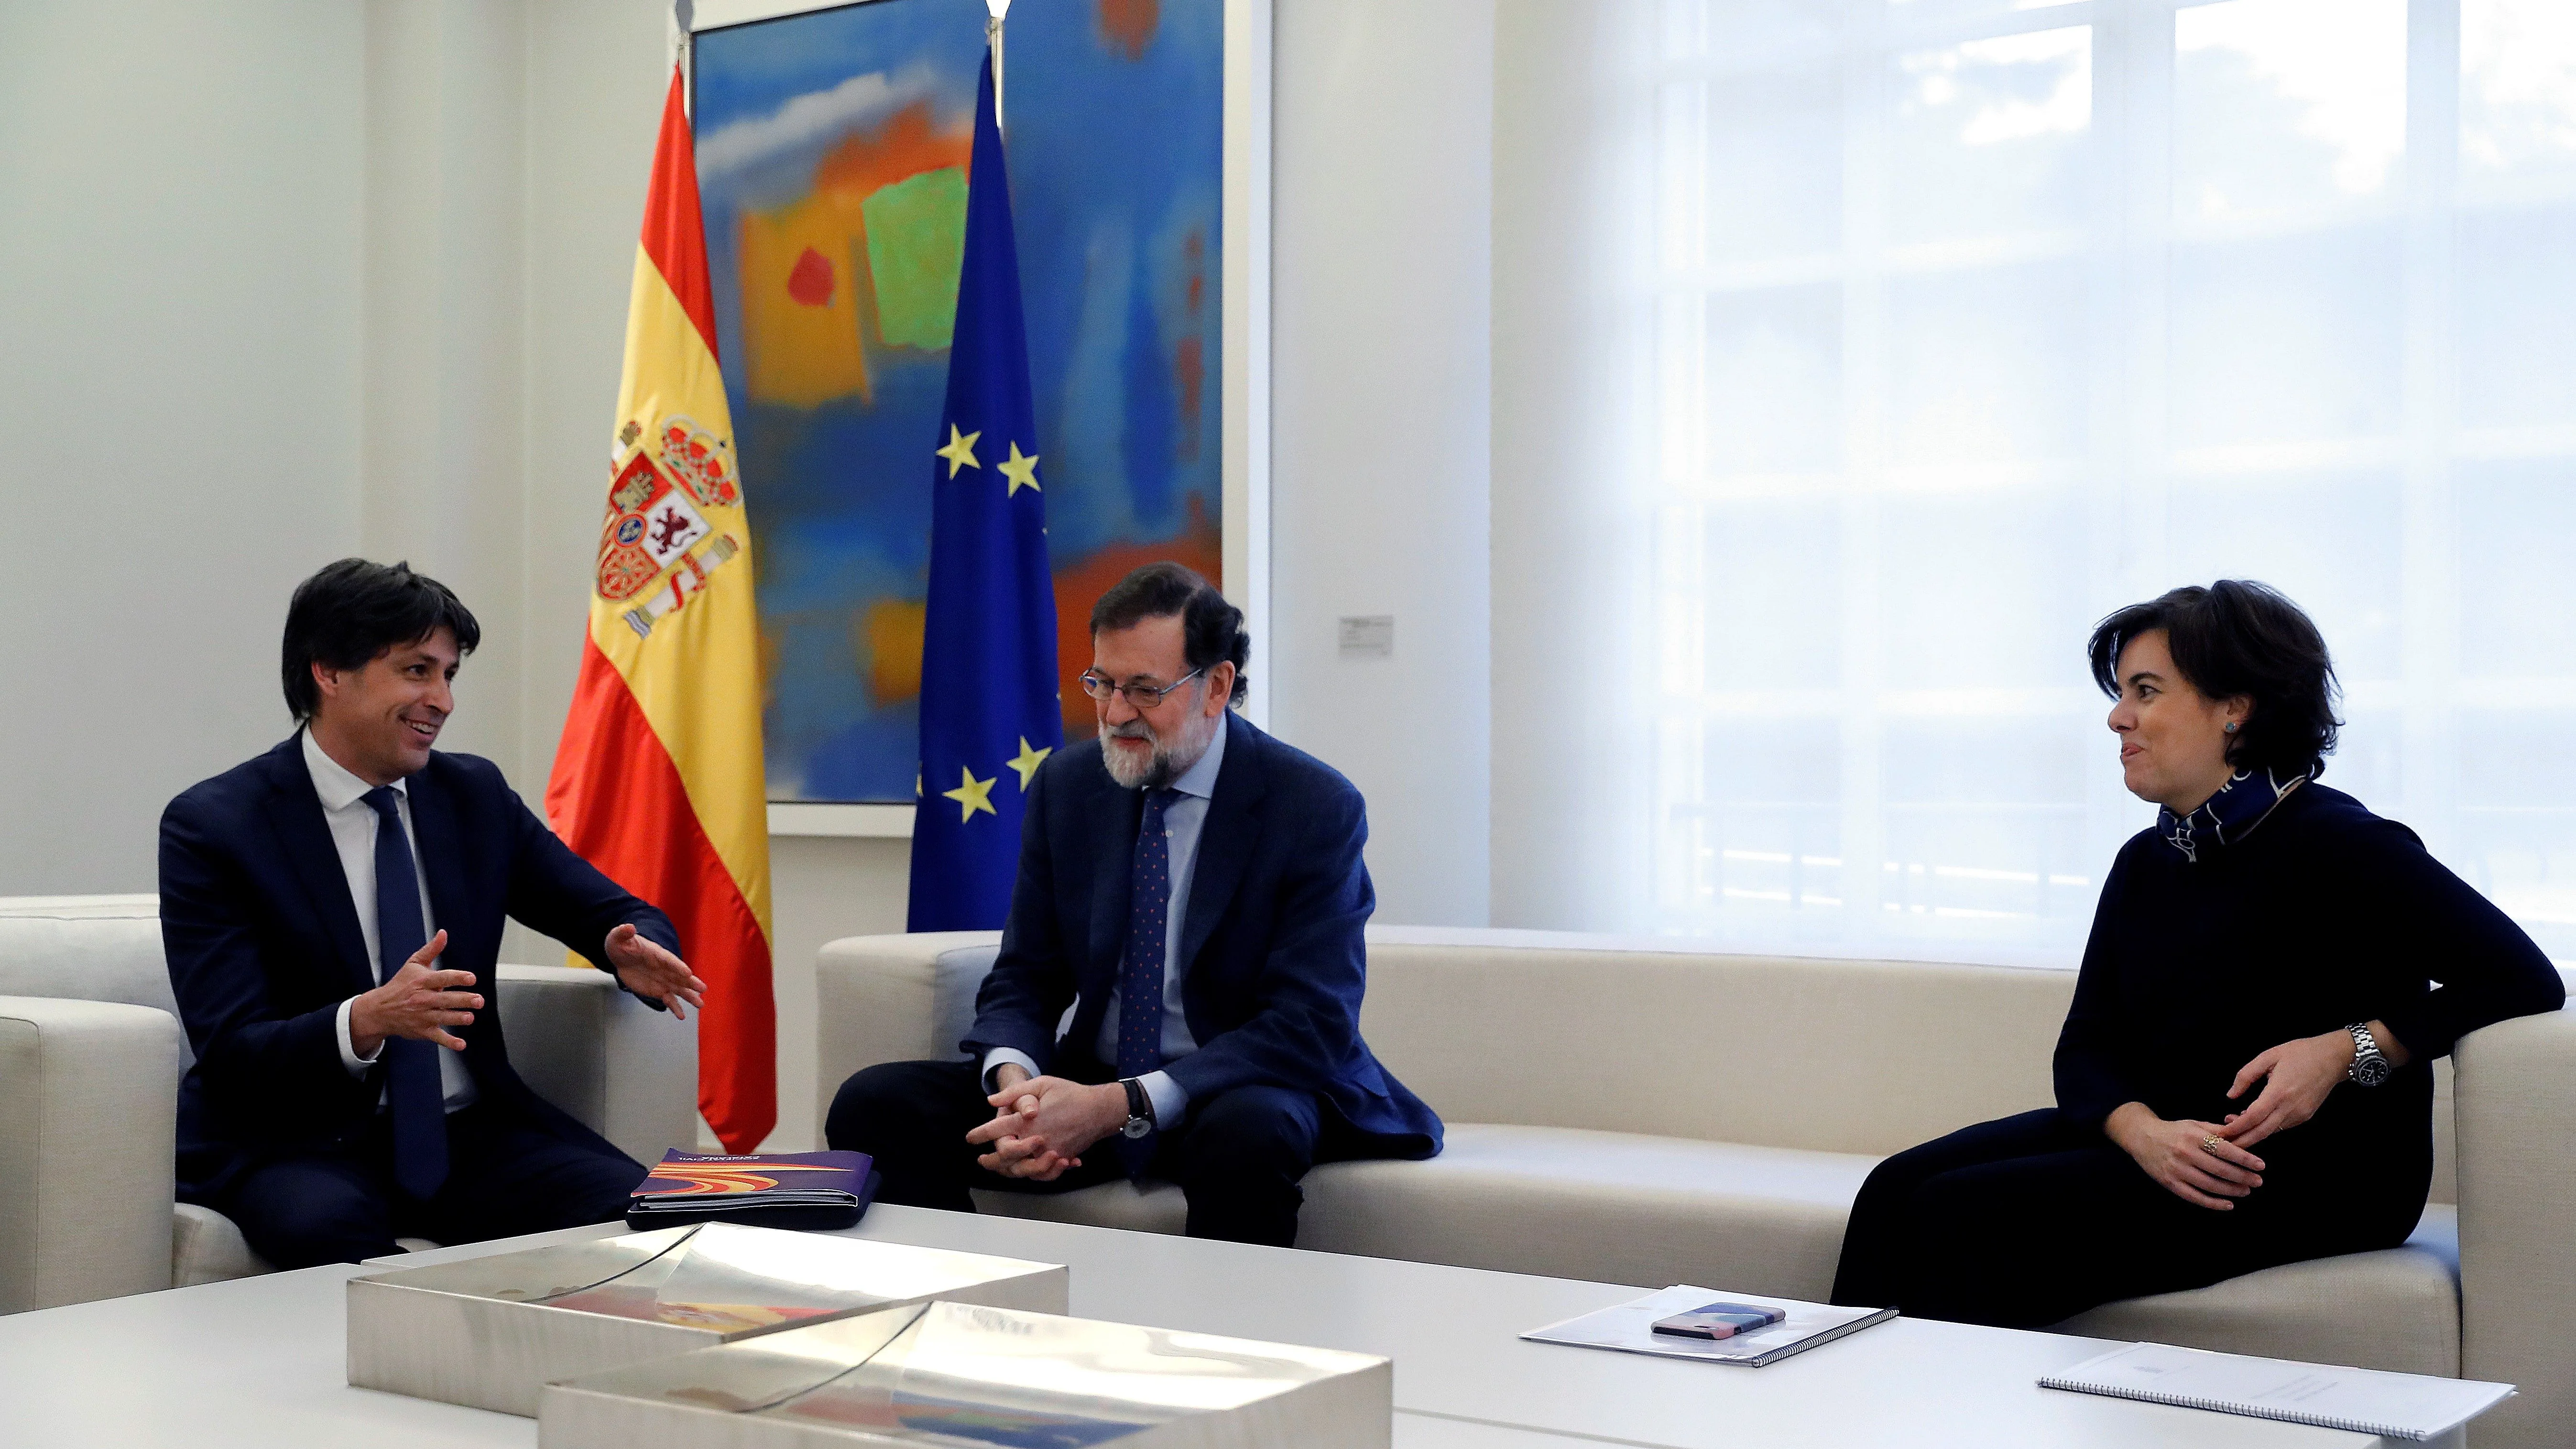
(1192, 890)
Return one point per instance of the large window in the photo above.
(1974, 320)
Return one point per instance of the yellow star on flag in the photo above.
(960, 452)
(972, 796)
(1023, 473)
(1029, 760)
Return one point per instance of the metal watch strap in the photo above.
(2370, 1065)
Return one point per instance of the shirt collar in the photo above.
(2227, 817)
(1200, 779)
(338, 788)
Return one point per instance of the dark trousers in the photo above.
(1238, 1156)
(506, 1176)
(2029, 1220)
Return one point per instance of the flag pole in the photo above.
(993, 37)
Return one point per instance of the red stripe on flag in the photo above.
(674, 236)
(617, 800)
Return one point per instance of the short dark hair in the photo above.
(2240, 637)
(1212, 631)
(351, 611)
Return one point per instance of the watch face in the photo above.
(2370, 1071)
(1137, 1127)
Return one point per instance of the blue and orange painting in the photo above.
(832, 150)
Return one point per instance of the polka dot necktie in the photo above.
(1140, 969)
(413, 1096)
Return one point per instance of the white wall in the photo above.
(1382, 186)
(179, 386)
(1566, 385)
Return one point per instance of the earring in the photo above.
(2231, 727)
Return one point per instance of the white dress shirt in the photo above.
(353, 831)
(1183, 819)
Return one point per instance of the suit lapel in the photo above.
(1226, 839)
(295, 812)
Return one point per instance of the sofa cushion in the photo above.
(2398, 1309)
(1614, 1207)
(1823, 1055)
(91, 948)
(207, 1247)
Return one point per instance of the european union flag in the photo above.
(989, 712)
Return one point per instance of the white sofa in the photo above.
(1575, 1149)
(91, 1052)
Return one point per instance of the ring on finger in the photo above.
(2210, 1144)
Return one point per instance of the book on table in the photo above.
(2363, 1401)
(819, 1190)
(1630, 1327)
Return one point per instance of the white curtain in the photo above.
(1945, 327)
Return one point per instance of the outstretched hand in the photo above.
(649, 970)
(418, 1001)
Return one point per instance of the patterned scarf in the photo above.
(2228, 816)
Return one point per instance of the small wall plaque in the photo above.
(1368, 636)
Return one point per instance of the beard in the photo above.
(1170, 759)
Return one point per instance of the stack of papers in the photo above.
(2364, 1401)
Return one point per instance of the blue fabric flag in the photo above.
(989, 712)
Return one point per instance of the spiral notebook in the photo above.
(2364, 1401)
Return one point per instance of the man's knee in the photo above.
(889, 1105)
(1261, 1130)
(597, 1187)
(300, 1220)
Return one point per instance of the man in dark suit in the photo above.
(1193, 890)
(345, 1091)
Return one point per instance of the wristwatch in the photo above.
(2369, 1067)
(1140, 1109)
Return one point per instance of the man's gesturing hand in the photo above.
(648, 970)
(1045, 1124)
(419, 1001)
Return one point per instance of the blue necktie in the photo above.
(1140, 971)
(412, 1091)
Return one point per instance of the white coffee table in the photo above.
(258, 1362)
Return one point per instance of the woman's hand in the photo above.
(2177, 1156)
(2297, 1077)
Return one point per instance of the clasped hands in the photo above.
(2210, 1164)
(421, 1001)
(1042, 1125)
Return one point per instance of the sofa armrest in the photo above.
(2514, 1095)
(624, 1070)
(893, 999)
(86, 1149)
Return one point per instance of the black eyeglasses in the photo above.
(1139, 696)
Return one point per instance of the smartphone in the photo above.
(1719, 1320)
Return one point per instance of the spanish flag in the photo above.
(658, 781)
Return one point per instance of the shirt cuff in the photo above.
(997, 1056)
(1169, 1100)
(357, 1065)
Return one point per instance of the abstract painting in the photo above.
(832, 151)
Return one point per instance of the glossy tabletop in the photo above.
(260, 1361)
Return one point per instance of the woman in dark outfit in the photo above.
(2245, 1078)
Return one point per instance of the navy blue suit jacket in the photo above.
(1276, 964)
(263, 946)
